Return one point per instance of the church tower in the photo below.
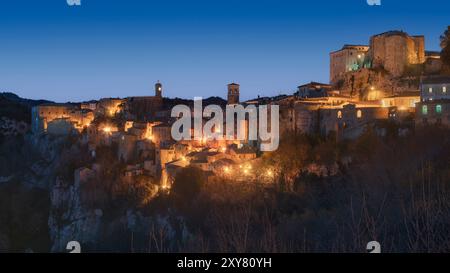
(233, 93)
(158, 89)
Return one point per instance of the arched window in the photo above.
(359, 114)
(339, 114)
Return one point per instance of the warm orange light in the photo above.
(224, 149)
(226, 169)
(107, 130)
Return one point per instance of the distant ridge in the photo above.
(13, 97)
(14, 107)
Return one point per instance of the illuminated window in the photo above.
(438, 108)
(339, 114)
(359, 114)
(424, 109)
(444, 89)
(430, 90)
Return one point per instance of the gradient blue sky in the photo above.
(119, 48)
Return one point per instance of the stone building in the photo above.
(313, 90)
(435, 88)
(350, 120)
(434, 107)
(43, 114)
(404, 102)
(145, 108)
(349, 58)
(127, 147)
(306, 117)
(433, 112)
(162, 134)
(109, 106)
(395, 51)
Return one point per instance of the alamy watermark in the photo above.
(374, 2)
(251, 123)
(73, 2)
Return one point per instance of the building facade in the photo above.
(145, 108)
(434, 107)
(44, 114)
(395, 50)
(435, 88)
(313, 90)
(349, 58)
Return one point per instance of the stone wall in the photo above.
(395, 50)
(349, 58)
(42, 115)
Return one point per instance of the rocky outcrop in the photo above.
(69, 220)
(370, 84)
(11, 127)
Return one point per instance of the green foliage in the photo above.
(23, 218)
(187, 185)
(365, 146)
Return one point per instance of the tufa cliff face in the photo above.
(69, 220)
(372, 84)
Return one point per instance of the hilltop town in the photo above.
(105, 163)
(392, 79)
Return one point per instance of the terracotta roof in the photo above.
(316, 84)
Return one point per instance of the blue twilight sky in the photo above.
(119, 48)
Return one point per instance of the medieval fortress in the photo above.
(393, 51)
(392, 62)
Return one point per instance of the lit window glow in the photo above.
(359, 114)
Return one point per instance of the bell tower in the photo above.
(158, 89)
(233, 93)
